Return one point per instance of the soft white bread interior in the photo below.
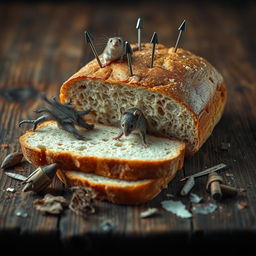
(100, 154)
(182, 96)
(115, 190)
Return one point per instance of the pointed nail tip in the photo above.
(27, 187)
(50, 170)
(139, 23)
(154, 39)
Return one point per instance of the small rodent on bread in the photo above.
(133, 119)
(183, 94)
(114, 50)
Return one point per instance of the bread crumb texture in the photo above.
(171, 95)
(99, 142)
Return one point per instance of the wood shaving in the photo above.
(82, 201)
(19, 169)
(242, 205)
(4, 146)
(51, 204)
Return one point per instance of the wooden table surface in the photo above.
(43, 44)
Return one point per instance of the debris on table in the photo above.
(176, 207)
(207, 171)
(225, 146)
(21, 213)
(19, 169)
(4, 146)
(190, 183)
(204, 208)
(12, 190)
(82, 201)
(170, 195)
(213, 185)
(216, 187)
(107, 226)
(51, 204)
(148, 213)
(12, 160)
(16, 176)
(194, 198)
(241, 205)
(41, 178)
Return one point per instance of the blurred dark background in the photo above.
(42, 45)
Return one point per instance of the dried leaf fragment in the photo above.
(242, 205)
(176, 207)
(12, 159)
(51, 204)
(194, 198)
(204, 208)
(82, 201)
(4, 146)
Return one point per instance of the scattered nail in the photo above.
(11, 160)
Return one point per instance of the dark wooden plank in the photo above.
(35, 58)
(229, 54)
(125, 219)
(43, 44)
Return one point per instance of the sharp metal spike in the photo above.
(139, 26)
(16, 176)
(50, 170)
(128, 52)
(139, 23)
(181, 28)
(154, 41)
(89, 40)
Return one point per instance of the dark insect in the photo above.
(65, 115)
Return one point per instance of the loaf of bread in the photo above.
(100, 154)
(182, 96)
(116, 190)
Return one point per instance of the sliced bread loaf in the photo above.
(115, 190)
(182, 96)
(100, 154)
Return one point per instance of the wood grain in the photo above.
(43, 44)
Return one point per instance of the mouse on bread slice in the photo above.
(133, 119)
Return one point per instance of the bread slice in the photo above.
(115, 190)
(182, 96)
(100, 154)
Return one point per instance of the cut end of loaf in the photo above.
(165, 116)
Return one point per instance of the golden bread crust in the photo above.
(115, 193)
(186, 78)
(109, 167)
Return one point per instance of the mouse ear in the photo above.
(136, 112)
(122, 110)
